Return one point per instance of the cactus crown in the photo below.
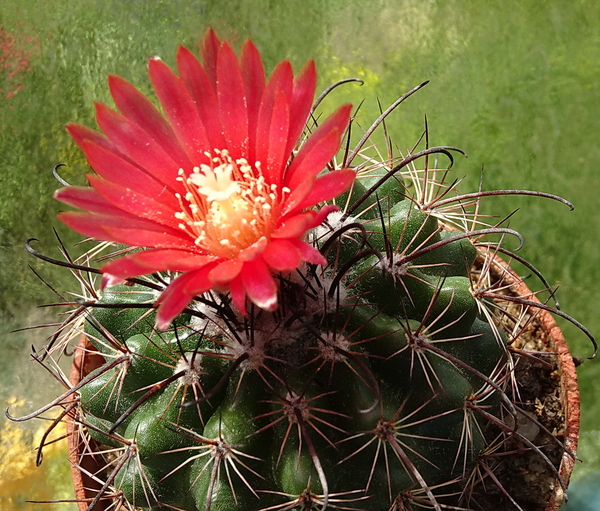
(385, 379)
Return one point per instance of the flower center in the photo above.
(228, 206)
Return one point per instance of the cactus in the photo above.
(376, 371)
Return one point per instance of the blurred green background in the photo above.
(513, 82)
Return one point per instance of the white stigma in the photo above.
(216, 184)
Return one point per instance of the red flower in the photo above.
(211, 189)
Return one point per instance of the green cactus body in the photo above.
(355, 390)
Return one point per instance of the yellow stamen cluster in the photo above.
(228, 206)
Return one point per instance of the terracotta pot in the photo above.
(82, 451)
(555, 342)
(85, 462)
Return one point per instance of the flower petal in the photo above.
(137, 233)
(196, 81)
(297, 196)
(253, 74)
(278, 134)
(81, 134)
(259, 284)
(154, 260)
(109, 228)
(254, 250)
(231, 94)
(118, 169)
(295, 226)
(319, 149)
(282, 255)
(134, 203)
(309, 253)
(305, 85)
(141, 111)
(179, 108)
(161, 237)
(179, 293)
(84, 197)
(133, 141)
(277, 91)
(238, 294)
(327, 187)
(210, 51)
(226, 271)
(323, 213)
